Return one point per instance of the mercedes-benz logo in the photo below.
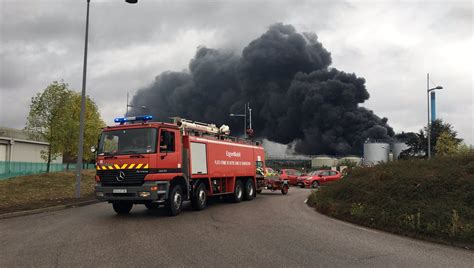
(120, 176)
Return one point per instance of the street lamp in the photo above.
(128, 105)
(83, 106)
(428, 131)
(244, 115)
(132, 106)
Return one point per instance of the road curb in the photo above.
(47, 209)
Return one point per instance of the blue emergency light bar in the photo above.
(123, 120)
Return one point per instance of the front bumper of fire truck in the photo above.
(155, 191)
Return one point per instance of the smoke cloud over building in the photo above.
(294, 94)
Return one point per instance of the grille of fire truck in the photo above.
(109, 178)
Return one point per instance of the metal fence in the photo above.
(13, 169)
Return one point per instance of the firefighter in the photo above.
(163, 145)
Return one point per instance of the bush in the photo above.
(432, 199)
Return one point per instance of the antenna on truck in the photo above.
(201, 127)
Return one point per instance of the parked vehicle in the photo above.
(275, 183)
(291, 175)
(270, 180)
(154, 163)
(270, 172)
(316, 178)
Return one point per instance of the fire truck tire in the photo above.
(199, 199)
(238, 194)
(249, 192)
(284, 190)
(122, 207)
(175, 200)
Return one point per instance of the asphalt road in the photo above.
(272, 230)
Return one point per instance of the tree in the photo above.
(419, 143)
(417, 146)
(464, 149)
(405, 136)
(54, 116)
(446, 144)
(93, 125)
(46, 117)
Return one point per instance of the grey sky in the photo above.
(391, 44)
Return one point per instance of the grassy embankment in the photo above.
(43, 190)
(433, 200)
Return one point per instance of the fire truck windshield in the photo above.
(128, 141)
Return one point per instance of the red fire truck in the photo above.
(155, 164)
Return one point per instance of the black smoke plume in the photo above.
(285, 75)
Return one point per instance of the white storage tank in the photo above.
(398, 148)
(323, 161)
(376, 152)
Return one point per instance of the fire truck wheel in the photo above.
(199, 199)
(284, 190)
(122, 207)
(175, 200)
(249, 192)
(238, 192)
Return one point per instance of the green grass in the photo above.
(426, 199)
(43, 190)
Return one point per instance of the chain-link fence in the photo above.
(13, 169)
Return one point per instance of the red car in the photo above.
(316, 178)
(289, 174)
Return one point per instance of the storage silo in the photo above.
(375, 153)
(323, 161)
(398, 148)
(354, 159)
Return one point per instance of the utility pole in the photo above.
(245, 120)
(126, 111)
(428, 112)
(80, 146)
(80, 149)
(250, 115)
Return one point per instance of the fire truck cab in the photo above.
(163, 164)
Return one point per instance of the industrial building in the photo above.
(323, 161)
(21, 154)
(17, 146)
(329, 161)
